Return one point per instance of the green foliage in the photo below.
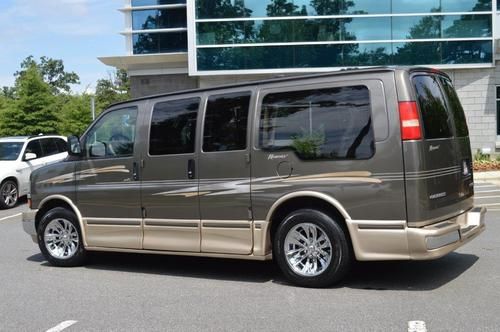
(479, 156)
(112, 90)
(74, 115)
(32, 112)
(40, 101)
(52, 72)
(307, 144)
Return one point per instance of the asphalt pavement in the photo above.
(132, 292)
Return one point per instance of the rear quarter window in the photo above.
(331, 123)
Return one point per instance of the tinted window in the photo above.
(332, 123)
(61, 145)
(432, 107)
(173, 127)
(456, 108)
(226, 122)
(34, 147)
(49, 146)
(113, 135)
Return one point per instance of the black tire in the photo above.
(61, 215)
(10, 201)
(340, 258)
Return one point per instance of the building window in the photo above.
(164, 42)
(159, 18)
(232, 35)
(138, 3)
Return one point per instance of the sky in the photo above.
(76, 31)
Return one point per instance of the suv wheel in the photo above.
(312, 249)
(60, 238)
(9, 194)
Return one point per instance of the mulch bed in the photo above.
(483, 165)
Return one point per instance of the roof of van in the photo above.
(278, 79)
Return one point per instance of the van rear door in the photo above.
(438, 168)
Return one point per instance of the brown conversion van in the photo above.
(311, 171)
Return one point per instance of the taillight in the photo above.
(410, 121)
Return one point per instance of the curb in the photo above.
(493, 175)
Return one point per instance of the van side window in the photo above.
(226, 121)
(113, 135)
(437, 122)
(332, 123)
(173, 127)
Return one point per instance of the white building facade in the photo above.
(181, 44)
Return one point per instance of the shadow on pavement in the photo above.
(409, 275)
(399, 275)
(184, 266)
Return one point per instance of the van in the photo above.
(311, 171)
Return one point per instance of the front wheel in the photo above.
(312, 249)
(60, 238)
(9, 194)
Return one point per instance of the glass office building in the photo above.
(178, 44)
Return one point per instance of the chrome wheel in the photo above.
(61, 238)
(308, 249)
(9, 194)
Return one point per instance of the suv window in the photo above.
(437, 120)
(332, 123)
(34, 147)
(455, 107)
(61, 145)
(226, 121)
(173, 127)
(49, 146)
(113, 135)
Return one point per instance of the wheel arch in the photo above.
(304, 200)
(55, 201)
(13, 178)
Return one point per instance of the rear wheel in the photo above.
(312, 249)
(9, 194)
(60, 238)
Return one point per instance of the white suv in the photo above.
(19, 156)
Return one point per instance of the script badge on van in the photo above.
(277, 156)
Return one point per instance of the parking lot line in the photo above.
(62, 326)
(485, 197)
(417, 326)
(12, 216)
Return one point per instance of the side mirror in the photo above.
(74, 147)
(30, 156)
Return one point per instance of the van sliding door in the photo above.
(170, 177)
(225, 175)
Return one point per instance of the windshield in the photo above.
(10, 150)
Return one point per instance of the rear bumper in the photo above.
(394, 240)
(439, 239)
(29, 224)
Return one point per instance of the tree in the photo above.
(8, 92)
(52, 72)
(114, 89)
(74, 115)
(33, 111)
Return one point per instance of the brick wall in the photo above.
(141, 86)
(476, 89)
